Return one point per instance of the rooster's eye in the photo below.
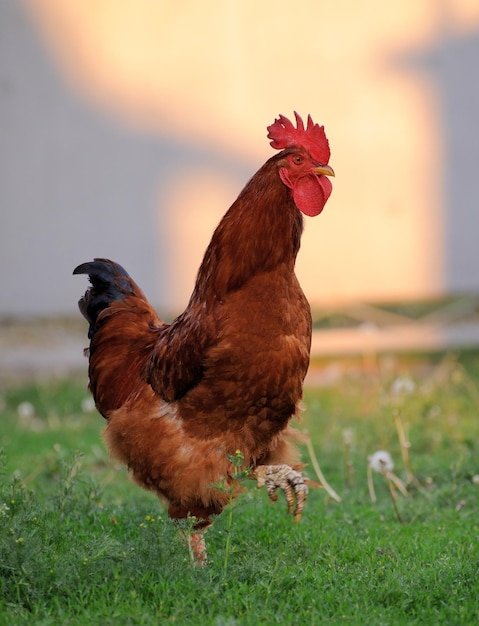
(298, 159)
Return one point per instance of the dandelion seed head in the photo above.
(381, 461)
(403, 385)
(348, 436)
(88, 405)
(25, 410)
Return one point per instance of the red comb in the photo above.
(312, 138)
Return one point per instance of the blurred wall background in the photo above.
(128, 127)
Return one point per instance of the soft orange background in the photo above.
(217, 73)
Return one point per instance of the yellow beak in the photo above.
(326, 170)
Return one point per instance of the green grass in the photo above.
(80, 544)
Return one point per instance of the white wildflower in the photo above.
(348, 436)
(403, 385)
(87, 405)
(381, 461)
(25, 410)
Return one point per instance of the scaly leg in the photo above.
(197, 547)
(288, 480)
(193, 534)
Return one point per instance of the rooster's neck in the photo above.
(261, 232)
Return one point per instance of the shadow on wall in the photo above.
(75, 184)
(453, 66)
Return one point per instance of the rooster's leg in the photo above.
(288, 480)
(194, 538)
(197, 547)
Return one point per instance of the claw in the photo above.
(287, 479)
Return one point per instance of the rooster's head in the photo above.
(304, 164)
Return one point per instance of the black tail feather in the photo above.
(110, 282)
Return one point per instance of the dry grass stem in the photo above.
(405, 449)
(347, 456)
(319, 473)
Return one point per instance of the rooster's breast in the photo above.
(254, 371)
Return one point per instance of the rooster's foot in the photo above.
(288, 480)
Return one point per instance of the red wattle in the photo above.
(310, 193)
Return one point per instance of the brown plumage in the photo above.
(227, 374)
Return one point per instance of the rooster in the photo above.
(226, 376)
